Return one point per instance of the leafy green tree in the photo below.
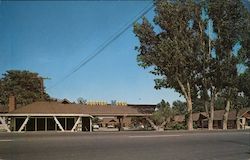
(186, 56)
(161, 116)
(231, 23)
(173, 52)
(244, 81)
(162, 113)
(26, 86)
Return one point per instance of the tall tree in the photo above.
(26, 86)
(231, 23)
(173, 52)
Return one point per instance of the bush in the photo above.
(177, 126)
(195, 126)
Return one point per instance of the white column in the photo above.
(65, 121)
(45, 124)
(90, 124)
(35, 123)
(14, 121)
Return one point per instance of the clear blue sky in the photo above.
(52, 38)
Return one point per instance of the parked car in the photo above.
(95, 126)
(110, 126)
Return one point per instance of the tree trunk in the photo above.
(238, 125)
(211, 115)
(206, 104)
(163, 124)
(187, 94)
(157, 128)
(225, 116)
(190, 117)
(210, 124)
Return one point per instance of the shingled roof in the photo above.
(94, 110)
(196, 117)
(218, 115)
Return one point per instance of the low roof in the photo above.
(218, 115)
(244, 111)
(195, 116)
(94, 110)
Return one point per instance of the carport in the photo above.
(46, 122)
(46, 116)
(57, 116)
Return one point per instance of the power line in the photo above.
(106, 43)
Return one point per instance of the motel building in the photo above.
(64, 116)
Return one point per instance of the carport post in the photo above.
(35, 124)
(65, 121)
(14, 121)
(120, 126)
(90, 124)
(45, 123)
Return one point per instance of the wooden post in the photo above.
(90, 124)
(45, 123)
(120, 125)
(14, 121)
(65, 121)
(35, 123)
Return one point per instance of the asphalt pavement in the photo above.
(229, 145)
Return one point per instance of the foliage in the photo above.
(187, 58)
(80, 100)
(173, 51)
(198, 105)
(96, 120)
(179, 107)
(24, 85)
(176, 126)
(231, 23)
(244, 81)
(240, 102)
(163, 113)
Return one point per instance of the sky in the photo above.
(52, 38)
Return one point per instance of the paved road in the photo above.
(126, 146)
